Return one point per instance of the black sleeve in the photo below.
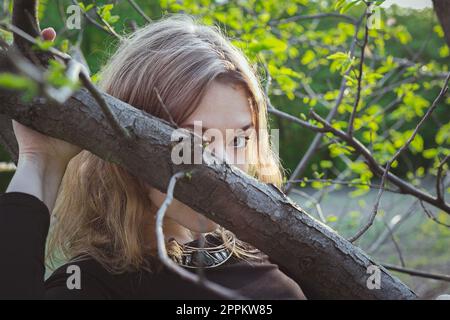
(24, 224)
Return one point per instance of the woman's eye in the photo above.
(240, 141)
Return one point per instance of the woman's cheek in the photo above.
(183, 214)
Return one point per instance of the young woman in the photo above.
(103, 217)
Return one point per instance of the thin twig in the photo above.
(301, 166)
(110, 32)
(439, 179)
(139, 10)
(110, 116)
(26, 36)
(169, 263)
(395, 224)
(107, 25)
(164, 107)
(271, 109)
(417, 273)
(314, 201)
(347, 183)
(431, 215)
(396, 245)
(377, 169)
(360, 74)
(394, 158)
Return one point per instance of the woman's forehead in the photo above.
(223, 106)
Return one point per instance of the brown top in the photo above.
(24, 223)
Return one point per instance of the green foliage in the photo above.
(21, 83)
(105, 12)
(55, 76)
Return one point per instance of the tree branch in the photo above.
(316, 141)
(418, 273)
(139, 10)
(169, 263)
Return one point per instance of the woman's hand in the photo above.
(42, 159)
(36, 144)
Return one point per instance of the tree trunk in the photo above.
(442, 9)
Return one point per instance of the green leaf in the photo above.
(326, 164)
(339, 4)
(13, 81)
(332, 218)
(338, 56)
(16, 82)
(430, 153)
(43, 45)
(308, 57)
(348, 6)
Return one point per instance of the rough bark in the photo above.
(324, 264)
(442, 9)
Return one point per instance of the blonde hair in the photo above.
(102, 211)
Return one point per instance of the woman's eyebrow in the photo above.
(248, 126)
(191, 126)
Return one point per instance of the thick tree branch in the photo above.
(325, 264)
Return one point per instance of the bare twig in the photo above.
(139, 10)
(432, 216)
(164, 107)
(378, 170)
(417, 273)
(272, 110)
(394, 225)
(360, 74)
(394, 158)
(396, 245)
(404, 186)
(110, 116)
(169, 263)
(347, 183)
(316, 141)
(439, 179)
(314, 201)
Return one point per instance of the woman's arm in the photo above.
(25, 208)
(39, 176)
(25, 212)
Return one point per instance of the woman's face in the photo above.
(227, 124)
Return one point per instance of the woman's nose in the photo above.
(220, 151)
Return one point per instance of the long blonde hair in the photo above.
(102, 211)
